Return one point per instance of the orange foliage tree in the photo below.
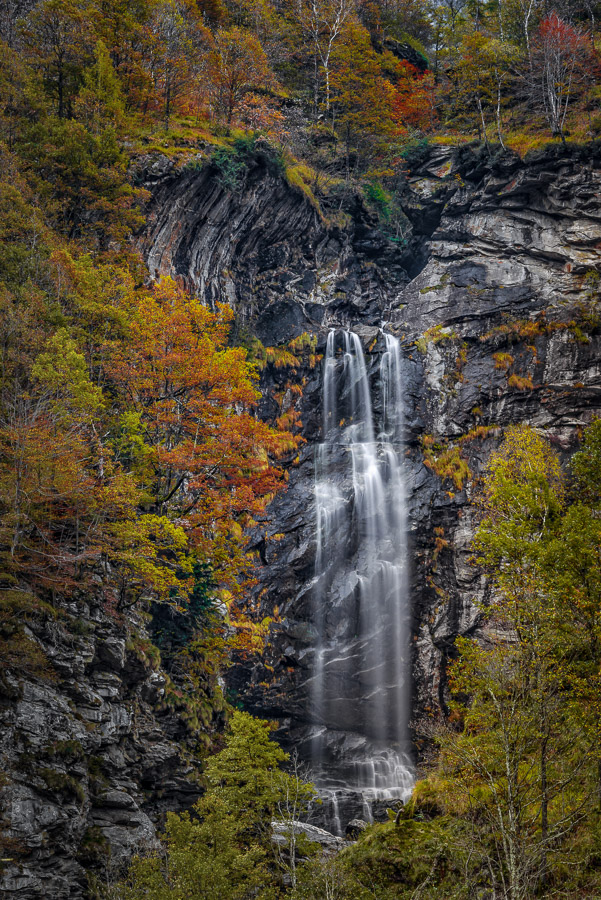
(237, 65)
(190, 432)
(413, 105)
(363, 98)
(136, 457)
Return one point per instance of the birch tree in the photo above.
(323, 23)
(562, 61)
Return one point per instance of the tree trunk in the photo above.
(498, 115)
(544, 806)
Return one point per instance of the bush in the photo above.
(234, 162)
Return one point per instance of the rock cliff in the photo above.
(494, 294)
(92, 755)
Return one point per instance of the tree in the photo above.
(562, 60)
(363, 98)
(483, 72)
(54, 492)
(413, 104)
(258, 116)
(517, 762)
(123, 28)
(514, 749)
(179, 37)
(21, 95)
(81, 179)
(572, 566)
(204, 453)
(323, 23)
(223, 850)
(527, 693)
(237, 66)
(398, 19)
(99, 103)
(58, 42)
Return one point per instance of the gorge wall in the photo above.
(494, 295)
(493, 298)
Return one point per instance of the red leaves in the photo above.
(413, 103)
(556, 35)
(563, 59)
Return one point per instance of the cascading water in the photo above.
(360, 681)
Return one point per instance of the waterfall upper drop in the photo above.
(360, 692)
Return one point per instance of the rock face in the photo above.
(264, 250)
(496, 309)
(90, 759)
(329, 844)
(495, 299)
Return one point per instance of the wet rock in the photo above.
(329, 843)
(354, 829)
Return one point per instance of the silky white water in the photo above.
(360, 698)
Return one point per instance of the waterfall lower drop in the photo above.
(360, 695)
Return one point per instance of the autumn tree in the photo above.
(179, 38)
(190, 399)
(268, 22)
(10, 14)
(413, 104)
(562, 62)
(363, 98)
(449, 22)
(323, 22)
(526, 756)
(237, 65)
(48, 488)
(258, 115)
(21, 96)
(125, 29)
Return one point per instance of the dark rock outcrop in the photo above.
(91, 758)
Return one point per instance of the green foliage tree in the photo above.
(482, 72)
(223, 850)
(58, 40)
(99, 103)
(522, 766)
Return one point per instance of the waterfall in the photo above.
(360, 699)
